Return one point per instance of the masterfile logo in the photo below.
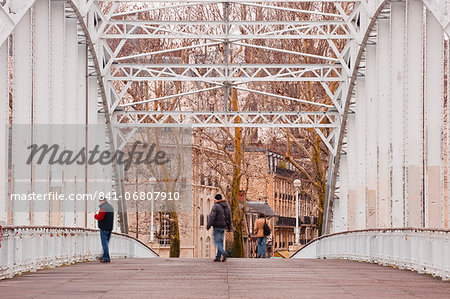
(69, 167)
(54, 155)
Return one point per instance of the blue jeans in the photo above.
(262, 246)
(219, 234)
(104, 236)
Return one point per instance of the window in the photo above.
(164, 239)
(201, 247)
(208, 240)
(202, 220)
(183, 183)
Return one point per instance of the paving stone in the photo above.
(237, 278)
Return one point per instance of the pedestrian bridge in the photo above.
(379, 102)
(27, 249)
(237, 278)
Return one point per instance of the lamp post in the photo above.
(297, 185)
(152, 182)
(137, 206)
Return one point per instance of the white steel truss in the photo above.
(11, 12)
(397, 182)
(119, 30)
(226, 72)
(122, 68)
(227, 119)
(259, 119)
(238, 30)
(110, 30)
(191, 2)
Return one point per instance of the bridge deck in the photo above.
(237, 278)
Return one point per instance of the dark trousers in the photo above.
(105, 236)
(219, 234)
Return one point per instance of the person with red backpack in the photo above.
(262, 230)
(105, 218)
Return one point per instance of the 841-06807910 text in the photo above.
(142, 196)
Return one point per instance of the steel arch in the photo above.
(438, 9)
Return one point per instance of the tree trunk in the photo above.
(174, 235)
(320, 180)
(238, 246)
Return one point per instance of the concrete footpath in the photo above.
(237, 278)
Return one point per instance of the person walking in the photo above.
(105, 218)
(219, 219)
(261, 230)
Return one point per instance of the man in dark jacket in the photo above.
(219, 219)
(105, 218)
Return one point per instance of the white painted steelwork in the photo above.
(361, 141)
(4, 121)
(121, 67)
(398, 15)
(434, 122)
(41, 99)
(25, 249)
(21, 115)
(414, 116)
(217, 73)
(227, 119)
(384, 125)
(390, 30)
(146, 29)
(395, 30)
(421, 250)
(371, 137)
(352, 161)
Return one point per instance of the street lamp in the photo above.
(297, 185)
(152, 182)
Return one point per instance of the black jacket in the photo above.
(220, 216)
(107, 222)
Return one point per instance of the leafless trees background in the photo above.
(301, 147)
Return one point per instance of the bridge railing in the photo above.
(421, 250)
(25, 249)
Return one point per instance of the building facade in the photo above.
(268, 179)
(273, 182)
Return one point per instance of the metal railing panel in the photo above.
(421, 250)
(28, 249)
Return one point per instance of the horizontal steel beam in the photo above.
(206, 119)
(132, 29)
(151, 23)
(235, 1)
(226, 73)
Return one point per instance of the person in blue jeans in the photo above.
(219, 219)
(259, 233)
(105, 218)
